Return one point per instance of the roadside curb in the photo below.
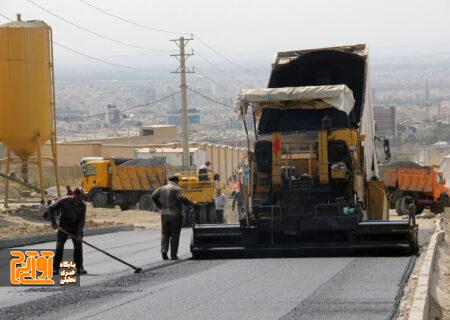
(51, 236)
(419, 307)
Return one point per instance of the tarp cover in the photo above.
(339, 97)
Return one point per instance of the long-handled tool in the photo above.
(136, 269)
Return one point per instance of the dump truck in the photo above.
(312, 177)
(409, 183)
(108, 182)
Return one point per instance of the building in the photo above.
(385, 121)
(172, 156)
(177, 118)
(154, 134)
(113, 114)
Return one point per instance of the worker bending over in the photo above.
(72, 211)
(169, 200)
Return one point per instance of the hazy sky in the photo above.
(243, 30)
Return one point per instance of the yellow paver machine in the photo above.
(200, 188)
(312, 176)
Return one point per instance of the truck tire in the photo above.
(146, 203)
(404, 204)
(419, 209)
(398, 206)
(99, 200)
(437, 207)
(124, 206)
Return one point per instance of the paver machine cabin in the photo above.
(313, 171)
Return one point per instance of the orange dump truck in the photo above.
(411, 183)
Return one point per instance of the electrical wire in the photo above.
(221, 70)
(223, 56)
(101, 60)
(210, 79)
(96, 33)
(121, 111)
(170, 32)
(208, 98)
(130, 21)
(87, 55)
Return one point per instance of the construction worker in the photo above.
(72, 211)
(219, 202)
(69, 191)
(169, 200)
(237, 204)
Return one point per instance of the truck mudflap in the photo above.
(369, 237)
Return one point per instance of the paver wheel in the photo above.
(99, 200)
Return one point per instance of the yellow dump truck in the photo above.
(108, 182)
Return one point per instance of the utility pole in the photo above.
(182, 70)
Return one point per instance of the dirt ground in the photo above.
(23, 218)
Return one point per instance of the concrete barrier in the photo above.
(420, 305)
(51, 236)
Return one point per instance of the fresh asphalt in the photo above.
(286, 288)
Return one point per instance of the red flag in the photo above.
(276, 145)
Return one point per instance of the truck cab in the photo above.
(96, 174)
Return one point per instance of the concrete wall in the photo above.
(225, 159)
(161, 134)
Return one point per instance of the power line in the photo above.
(210, 99)
(87, 55)
(96, 33)
(210, 79)
(101, 60)
(170, 32)
(130, 21)
(220, 69)
(224, 57)
(121, 111)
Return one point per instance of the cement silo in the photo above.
(27, 102)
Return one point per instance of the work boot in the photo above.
(81, 271)
(165, 257)
(174, 258)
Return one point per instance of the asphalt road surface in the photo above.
(284, 288)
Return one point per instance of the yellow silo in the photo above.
(27, 109)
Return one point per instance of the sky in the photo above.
(249, 32)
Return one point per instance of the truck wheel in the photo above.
(146, 203)
(124, 206)
(419, 209)
(99, 200)
(437, 207)
(398, 206)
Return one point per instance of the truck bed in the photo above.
(138, 177)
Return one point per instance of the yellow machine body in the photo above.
(196, 190)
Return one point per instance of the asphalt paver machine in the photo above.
(312, 176)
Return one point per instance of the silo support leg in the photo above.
(8, 160)
(39, 163)
(55, 166)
